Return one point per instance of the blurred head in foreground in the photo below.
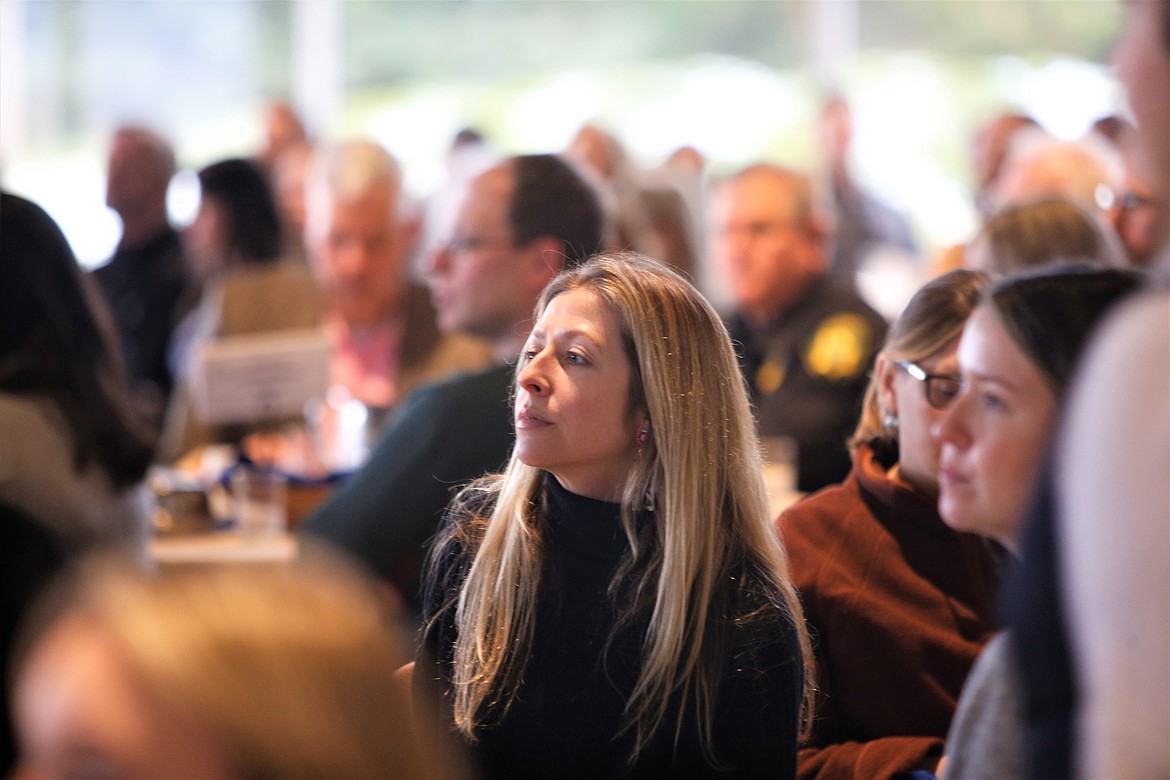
(256, 670)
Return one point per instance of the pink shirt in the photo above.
(365, 360)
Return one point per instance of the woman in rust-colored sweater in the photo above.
(898, 604)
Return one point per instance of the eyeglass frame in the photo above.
(458, 245)
(929, 381)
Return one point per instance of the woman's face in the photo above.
(993, 434)
(572, 401)
(80, 712)
(906, 397)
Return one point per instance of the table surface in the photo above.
(223, 547)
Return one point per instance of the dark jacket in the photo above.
(445, 435)
(808, 371)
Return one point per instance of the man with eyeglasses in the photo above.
(359, 234)
(520, 223)
(807, 342)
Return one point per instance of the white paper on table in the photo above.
(260, 377)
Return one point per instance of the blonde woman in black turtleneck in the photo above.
(617, 603)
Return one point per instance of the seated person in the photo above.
(806, 342)
(75, 451)
(1016, 357)
(243, 287)
(617, 604)
(381, 325)
(898, 604)
(520, 223)
(1043, 232)
(1110, 578)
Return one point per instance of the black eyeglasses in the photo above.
(941, 389)
(465, 244)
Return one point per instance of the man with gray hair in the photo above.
(807, 342)
(520, 223)
(359, 235)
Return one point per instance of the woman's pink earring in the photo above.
(643, 436)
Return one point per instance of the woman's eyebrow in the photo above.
(587, 333)
(990, 378)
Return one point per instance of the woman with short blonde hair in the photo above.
(617, 602)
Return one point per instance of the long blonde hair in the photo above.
(711, 532)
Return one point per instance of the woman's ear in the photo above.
(884, 372)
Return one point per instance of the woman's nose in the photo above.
(532, 377)
(948, 428)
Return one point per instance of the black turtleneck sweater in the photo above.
(566, 717)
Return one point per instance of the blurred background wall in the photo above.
(738, 79)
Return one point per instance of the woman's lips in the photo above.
(951, 477)
(526, 419)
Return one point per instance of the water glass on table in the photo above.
(259, 501)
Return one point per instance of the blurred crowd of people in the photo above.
(554, 553)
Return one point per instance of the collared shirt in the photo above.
(365, 360)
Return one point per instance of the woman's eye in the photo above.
(527, 355)
(575, 358)
(948, 390)
(992, 401)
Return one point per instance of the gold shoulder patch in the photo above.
(839, 347)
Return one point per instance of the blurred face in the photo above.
(906, 397)
(1143, 65)
(766, 259)
(572, 399)
(134, 182)
(475, 278)
(358, 258)
(993, 435)
(80, 713)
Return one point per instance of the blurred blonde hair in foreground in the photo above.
(273, 670)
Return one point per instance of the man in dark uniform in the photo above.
(806, 344)
(144, 280)
(520, 224)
